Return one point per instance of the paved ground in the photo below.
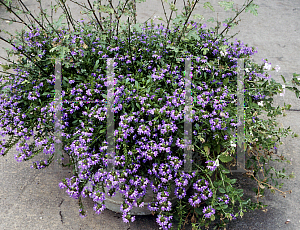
(31, 199)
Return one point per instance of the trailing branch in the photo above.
(3, 39)
(227, 27)
(7, 72)
(26, 15)
(9, 9)
(12, 20)
(164, 10)
(118, 17)
(91, 7)
(69, 16)
(7, 60)
(81, 5)
(170, 18)
(110, 2)
(185, 24)
(32, 15)
(50, 24)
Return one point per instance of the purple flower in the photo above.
(206, 194)
(200, 185)
(194, 200)
(163, 221)
(166, 206)
(98, 208)
(128, 218)
(153, 206)
(212, 165)
(224, 198)
(208, 211)
(180, 192)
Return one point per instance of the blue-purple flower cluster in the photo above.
(149, 135)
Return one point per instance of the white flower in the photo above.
(232, 145)
(267, 66)
(247, 70)
(277, 68)
(223, 53)
(282, 94)
(216, 163)
(261, 103)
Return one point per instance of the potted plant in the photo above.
(148, 62)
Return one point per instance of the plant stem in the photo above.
(31, 15)
(129, 45)
(7, 72)
(185, 24)
(9, 9)
(3, 39)
(227, 27)
(11, 20)
(7, 60)
(26, 15)
(69, 18)
(50, 24)
(164, 11)
(118, 17)
(110, 2)
(170, 16)
(91, 7)
(134, 11)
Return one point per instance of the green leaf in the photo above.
(208, 5)
(199, 211)
(218, 149)
(198, 16)
(226, 5)
(225, 170)
(136, 85)
(225, 82)
(53, 49)
(105, 9)
(296, 75)
(23, 82)
(222, 190)
(211, 19)
(252, 8)
(225, 158)
(225, 206)
(96, 65)
(206, 149)
(283, 79)
(138, 27)
(205, 50)
(232, 181)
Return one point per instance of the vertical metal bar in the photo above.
(187, 118)
(240, 147)
(110, 115)
(57, 110)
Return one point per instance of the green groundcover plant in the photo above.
(149, 99)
